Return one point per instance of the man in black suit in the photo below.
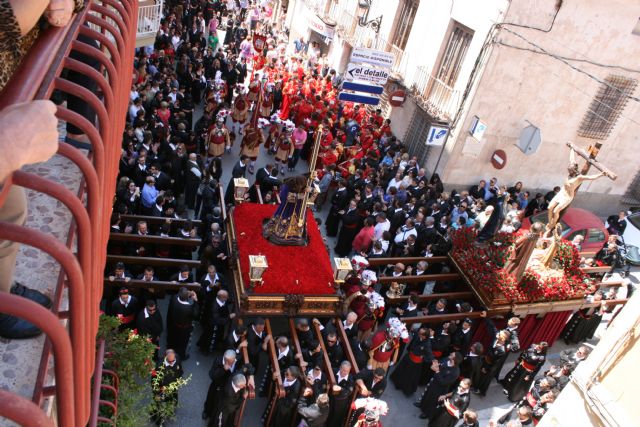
(233, 395)
(239, 171)
(270, 182)
(149, 322)
(214, 322)
(339, 201)
(163, 181)
(351, 222)
(340, 402)
(157, 209)
(371, 383)
(261, 176)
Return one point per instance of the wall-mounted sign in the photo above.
(437, 135)
(477, 128)
(373, 57)
(320, 27)
(364, 73)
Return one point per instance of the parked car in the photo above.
(575, 222)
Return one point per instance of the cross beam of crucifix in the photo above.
(592, 162)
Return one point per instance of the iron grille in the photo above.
(606, 107)
(416, 138)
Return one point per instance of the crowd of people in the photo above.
(257, 89)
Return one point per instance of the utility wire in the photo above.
(588, 61)
(591, 76)
(579, 89)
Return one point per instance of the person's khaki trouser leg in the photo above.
(14, 211)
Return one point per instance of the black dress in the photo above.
(519, 379)
(339, 404)
(348, 231)
(581, 326)
(445, 418)
(286, 407)
(339, 202)
(440, 384)
(405, 377)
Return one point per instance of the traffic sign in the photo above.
(359, 87)
(374, 57)
(437, 135)
(499, 159)
(364, 73)
(360, 99)
(397, 97)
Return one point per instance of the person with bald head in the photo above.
(215, 323)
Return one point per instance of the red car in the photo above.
(576, 221)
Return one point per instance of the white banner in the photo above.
(371, 56)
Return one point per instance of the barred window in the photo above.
(606, 107)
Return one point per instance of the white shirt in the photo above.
(404, 233)
(380, 228)
(288, 383)
(282, 354)
(341, 378)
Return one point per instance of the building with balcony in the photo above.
(534, 75)
(552, 72)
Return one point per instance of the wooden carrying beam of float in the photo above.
(465, 295)
(158, 219)
(156, 240)
(295, 340)
(346, 347)
(442, 277)
(155, 285)
(331, 379)
(153, 261)
(278, 392)
(250, 385)
(407, 260)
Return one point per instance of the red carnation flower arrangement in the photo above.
(484, 267)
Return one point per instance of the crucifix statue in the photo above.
(563, 199)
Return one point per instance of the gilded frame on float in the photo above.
(500, 303)
(251, 304)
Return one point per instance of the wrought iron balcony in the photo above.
(434, 96)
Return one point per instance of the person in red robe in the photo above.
(384, 350)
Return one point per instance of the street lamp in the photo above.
(362, 21)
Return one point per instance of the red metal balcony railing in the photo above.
(74, 350)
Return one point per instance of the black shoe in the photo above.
(13, 327)
(475, 391)
(186, 357)
(416, 404)
(423, 416)
(205, 415)
(31, 294)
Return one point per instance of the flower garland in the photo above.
(483, 267)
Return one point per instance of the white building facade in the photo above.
(566, 71)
